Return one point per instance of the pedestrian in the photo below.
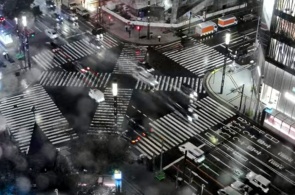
(126, 28)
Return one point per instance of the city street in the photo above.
(58, 100)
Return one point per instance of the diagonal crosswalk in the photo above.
(69, 52)
(74, 79)
(129, 58)
(174, 129)
(198, 59)
(167, 83)
(104, 119)
(20, 118)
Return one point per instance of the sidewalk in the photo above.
(232, 91)
(117, 29)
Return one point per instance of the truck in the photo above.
(226, 21)
(205, 28)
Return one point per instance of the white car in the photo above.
(97, 95)
(72, 17)
(146, 77)
(52, 34)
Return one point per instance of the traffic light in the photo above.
(32, 35)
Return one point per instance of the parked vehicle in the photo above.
(193, 152)
(206, 28)
(82, 12)
(247, 17)
(70, 5)
(258, 181)
(226, 21)
(241, 187)
(228, 191)
(50, 4)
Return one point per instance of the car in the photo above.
(50, 4)
(131, 136)
(98, 32)
(145, 64)
(80, 67)
(52, 34)
(187, 113)
(82, 11)
(54, 47)
(138, 126)
(57, 17)
(228, 191)
(241, 187)
(96, 43)
(146, 77)
(258, 181)
(71, 17)
(189, 91)
(247, 17)
(97, 95)
(73, 6)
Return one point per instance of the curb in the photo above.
(143, 44)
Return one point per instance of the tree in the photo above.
(99, 154)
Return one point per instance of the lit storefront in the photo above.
(91, 5)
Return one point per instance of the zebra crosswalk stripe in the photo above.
(17, 112)
(104, 120)
(175, 129)
(167, 83)
(74, 79)
(75, 50)
(198, 59)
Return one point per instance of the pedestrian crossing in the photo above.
(174, 129)
(167, 83)
(104, 120)
(198, 59)
(169, 46)
(74, 79)
(69, 52)
(20, 118)
(129, 58)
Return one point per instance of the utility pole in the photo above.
(227, 41)
(148, 17)
(242, 95)
(189, 23)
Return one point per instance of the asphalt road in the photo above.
(232, 146)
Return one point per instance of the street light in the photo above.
(24, 21)
(26, 41)
(115, 94)
(227, 41)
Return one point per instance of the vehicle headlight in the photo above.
(195, 94)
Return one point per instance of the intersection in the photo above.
(233, 145)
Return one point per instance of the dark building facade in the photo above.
(276, 77)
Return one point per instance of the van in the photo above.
(82, 11)
(258, 181)
(193, 152)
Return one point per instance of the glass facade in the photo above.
(278, 70)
